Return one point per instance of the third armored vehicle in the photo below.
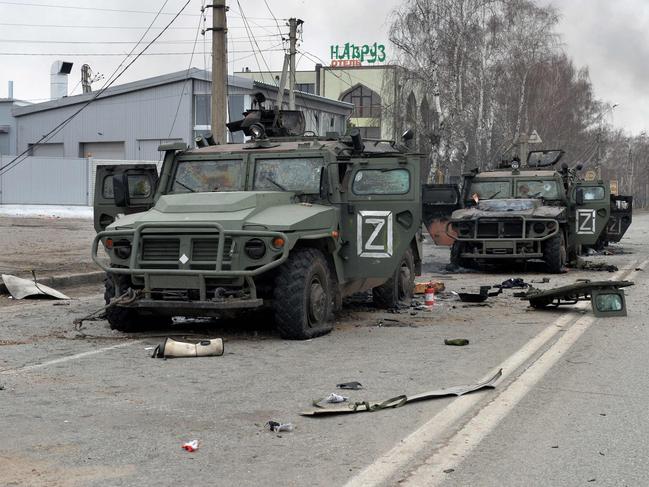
(528, 212)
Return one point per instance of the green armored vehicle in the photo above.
(529, 212)
(288, 222)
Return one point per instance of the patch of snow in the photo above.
(47, 211)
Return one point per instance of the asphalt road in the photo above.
(92, 408)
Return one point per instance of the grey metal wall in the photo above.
(45, 181)
(7, 140)
(145, 114)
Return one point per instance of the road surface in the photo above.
(92, 407)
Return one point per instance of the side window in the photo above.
(594, 193)
(380, 181)
(139, 186)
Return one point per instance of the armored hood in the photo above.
(503, 208)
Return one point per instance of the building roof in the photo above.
(193, 73)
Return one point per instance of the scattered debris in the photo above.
(334, 398)
(23, 288)
(449, 470)
(480, 297)
(398, 401)
(514, 282)
(277, 427)
(2, 387)
(61, 303)
(605, 296)
(437, 286)
(456, 342)
(544, 280)
(190, 446)
(554, 446)
(586, 265)
(354, 385)
(171, 348)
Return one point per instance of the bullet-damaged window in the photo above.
(379, 181)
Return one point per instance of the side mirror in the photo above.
(120, 190)
(608, 302)
(579, 196)
(324, 183)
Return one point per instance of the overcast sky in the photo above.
(611, 38)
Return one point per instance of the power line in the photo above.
(99, 9)
(39, 41)
(94, 27)
(21, 157)
(107, 54)
(251, 35)
(189, 66)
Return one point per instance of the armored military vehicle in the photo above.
(529, 212)
(287, 221)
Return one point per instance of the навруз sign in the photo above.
(350, 55)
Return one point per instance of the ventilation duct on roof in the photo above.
(59, 79)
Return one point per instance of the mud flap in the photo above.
(439, 201)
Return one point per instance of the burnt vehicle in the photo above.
(286, 221)
(520, 213)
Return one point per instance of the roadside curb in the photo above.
(66, 280)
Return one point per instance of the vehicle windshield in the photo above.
(288, 174)
(537, 189)
(487, 190)
(206, 176)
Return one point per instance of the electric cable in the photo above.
(22, 156)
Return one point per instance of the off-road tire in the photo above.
(303, 298)
(400, 287)
(555, 253)
(124, 319)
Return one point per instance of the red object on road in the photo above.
(191, 445)
(429, 297)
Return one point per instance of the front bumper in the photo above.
(510, 238)
(183, 276)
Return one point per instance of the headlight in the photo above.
(122, 249)
(464, 228)
(255, 248)
(539, 227)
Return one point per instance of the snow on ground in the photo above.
(51, 211)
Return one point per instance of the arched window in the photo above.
(367, 103)
(424, 110)
(411, 111)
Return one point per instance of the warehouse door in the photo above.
(103, 150)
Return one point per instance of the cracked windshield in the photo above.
(207, 176)
(294, 174)
(487, 190)
(537, 189)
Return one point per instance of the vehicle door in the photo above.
(438, 202)
(382, 215)
(620, 219)
(122, 189)
(591, 211)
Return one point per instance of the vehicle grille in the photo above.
(160, 249)
(500, 229)
(205, 250)
(487, 229)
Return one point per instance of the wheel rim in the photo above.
(404, 281)
(317, 302)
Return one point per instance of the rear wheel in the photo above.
(400, 287)
(303, 296)
(555, 253)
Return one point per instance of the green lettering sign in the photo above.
(353, 55)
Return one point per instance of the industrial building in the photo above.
(130, 121)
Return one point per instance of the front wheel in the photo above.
(400, 287)
(555, 254)
(125, 319)
(303, 296)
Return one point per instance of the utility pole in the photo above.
(219, 71)
(293, 25)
